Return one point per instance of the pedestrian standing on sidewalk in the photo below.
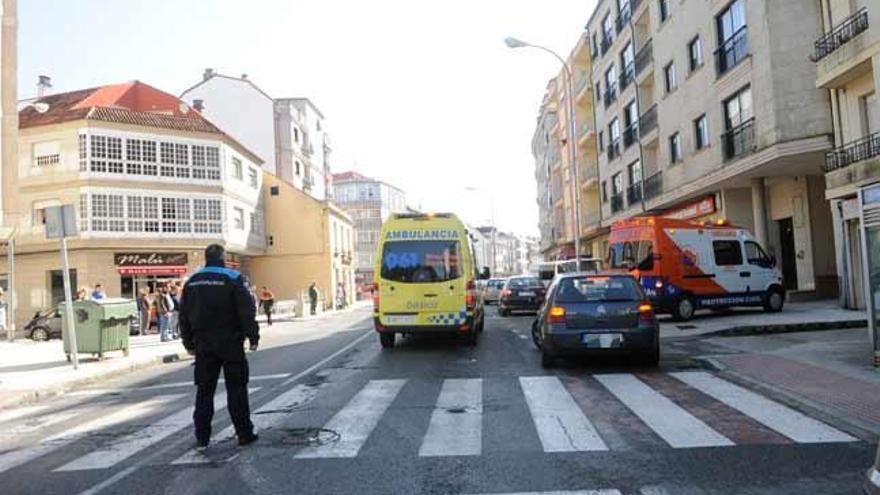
(144, 302)
(99, 294)
(267, 302)
(174, 292)
(164, 308)
(313, 299)
(82, 294)
(217, 314)
(340, 296)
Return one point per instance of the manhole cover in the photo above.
(307, 436)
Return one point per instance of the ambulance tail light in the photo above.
(471, 297)
(376, 297)
(646, 313)
(556, 315)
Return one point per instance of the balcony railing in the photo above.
(616, 202)
(623, 18)
(732, 51)
(840, 35)
(853, 152)
(580, 84)
(628, 75)
(644, 57)
(610, 95)
(606, 43)
(739, 140)
(631, 135)
(613, 149)
(648, 120)
(653, 186)
(634, 193)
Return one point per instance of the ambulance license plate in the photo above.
(602, 340)
(400, 319)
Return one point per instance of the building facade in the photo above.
(292, 260)
(153, 183)
(8, 85)
(369, 202)
(847, 58)
(288, 133)
(710, 109)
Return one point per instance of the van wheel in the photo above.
(775, 301)
(387, 340)
(684, 309)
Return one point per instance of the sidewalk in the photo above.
(795, 317)
(830, 372)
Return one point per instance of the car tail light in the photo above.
(471, 297)
(556, 315)
(646, 313)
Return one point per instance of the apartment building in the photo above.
(288, 133)
(154, 183)
(369, 202)
(551, 147)
(8, 83)
(709, 109)
(847, 59)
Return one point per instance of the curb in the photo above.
(855, 427)
(33, 396)
(779, 328)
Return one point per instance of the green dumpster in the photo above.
(101, 326)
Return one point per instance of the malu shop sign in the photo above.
(150, 263)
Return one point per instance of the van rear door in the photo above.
(422, 282)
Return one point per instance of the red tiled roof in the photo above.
(350, 175)
(150, 119)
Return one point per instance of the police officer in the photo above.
(217, 314)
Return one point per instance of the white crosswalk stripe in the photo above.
(792, 424)
(18, 457)
(356, 420)
(561, 424)
(679, 428)
(575, 492)
(21, 412)
(36, 424)
(268, 416)
(456, 426)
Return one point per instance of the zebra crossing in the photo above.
(562, 421)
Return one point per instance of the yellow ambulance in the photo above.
(425, 279)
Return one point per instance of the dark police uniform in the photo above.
(217, 313)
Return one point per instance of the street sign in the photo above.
(60, 221)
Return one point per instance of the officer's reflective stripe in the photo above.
(679, 428)
(18, 457)
(125, 447)
(268, 416)
(794, 425)
(356, 420)
(457, 421)
(561, 424)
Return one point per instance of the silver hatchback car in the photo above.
(492, 291)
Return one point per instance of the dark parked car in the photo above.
(521, 294)
(44, 325)
(597, 314)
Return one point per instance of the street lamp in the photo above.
(492, 220)
(572, 126)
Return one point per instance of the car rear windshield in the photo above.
(519, 283)
(421, 262)
(598, 289)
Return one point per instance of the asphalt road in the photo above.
(338, 415)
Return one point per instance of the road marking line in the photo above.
(457, 421)
(18, 457)
(356, 420)
(268, 416)
(654, 490)
(44, 421)
(679, 428)
(21, 411)
(788, 422)
(561, 424)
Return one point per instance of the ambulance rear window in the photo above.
(631, 254)
(421, 262)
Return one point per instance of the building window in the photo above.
(298, 168)
(701, 132)
(166, 156)
(252, 177)
(695, 54)
(237, 168)
(273, 191)
(669, 79)
(601, 141)
(296, 135)
(664, 10)
(738, 108)
(607, 30)
(675, 148)
(83, 210)
(238, 218)
(733, 41)
(83, 146)
(604, 191)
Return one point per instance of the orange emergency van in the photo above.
(684, 265)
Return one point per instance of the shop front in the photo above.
(148, 270)
(869, 200)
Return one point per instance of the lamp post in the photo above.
(572, 126)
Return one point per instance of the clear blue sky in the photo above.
(422, 94)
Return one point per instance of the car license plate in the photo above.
(602, 340)
(400, 319)
(527, 293)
